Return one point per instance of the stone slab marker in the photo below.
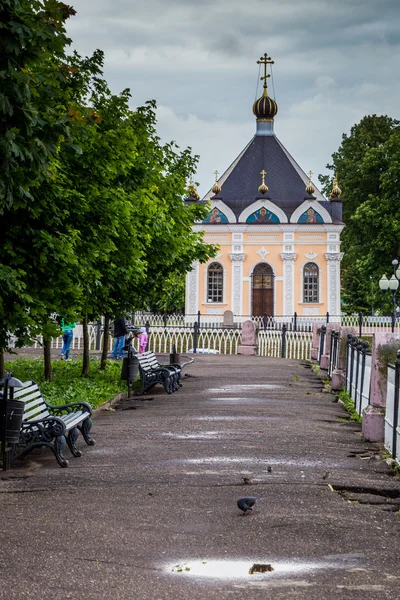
(316, 328)
(324, 360)
(227, 320)
(248, 346)
(338, 377)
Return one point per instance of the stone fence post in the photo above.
(373, 424)
(316, 332)
(324, 361)
(248, 346)
(339, 374)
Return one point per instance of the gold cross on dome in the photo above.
(265, 60)
(263, 174)
(310, 174)
(216, 175)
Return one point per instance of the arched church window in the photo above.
(311, 283)
(215, 283)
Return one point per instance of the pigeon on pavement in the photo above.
(247, 504)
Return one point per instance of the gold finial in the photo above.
(265, 60)
(310, 189)
(336, 191)
(193, 193)
(263, 189)
(216, 188)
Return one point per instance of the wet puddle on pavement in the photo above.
(239, 569)
(204, 435)
(241, 459)
(243, 388)
(236, 418)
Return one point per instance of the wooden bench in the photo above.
(152, 372)
(52, 426)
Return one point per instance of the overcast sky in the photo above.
(335, 61)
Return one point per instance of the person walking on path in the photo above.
(68, 334)
(120, 332)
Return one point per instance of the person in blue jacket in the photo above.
(68, 334)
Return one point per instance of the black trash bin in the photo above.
(130, 368)
(14, 415)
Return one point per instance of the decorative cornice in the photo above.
(333, 256)
(310, 255)
(237, 256)
(288, 255)
(273, 227)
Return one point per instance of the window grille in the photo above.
(215, 283)
(311, 283)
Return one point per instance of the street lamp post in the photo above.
(391, 285)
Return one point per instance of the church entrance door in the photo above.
(263, 291)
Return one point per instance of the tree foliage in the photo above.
(92, 201)
(367, 165)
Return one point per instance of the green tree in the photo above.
(33, 72)
(365, 164)
(32, 67)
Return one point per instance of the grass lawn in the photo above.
(68, 385)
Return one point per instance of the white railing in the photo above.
(297, 344)
(220, 339)
(77, 340)
(161, 339)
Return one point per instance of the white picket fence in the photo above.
(77, 340)
(297, 344)
(221, 340)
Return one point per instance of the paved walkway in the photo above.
(150, 512)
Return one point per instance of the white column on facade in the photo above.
(237, 259)
(288, 282)
(333, 279)
(192, 290)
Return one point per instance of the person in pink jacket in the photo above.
(143, 338)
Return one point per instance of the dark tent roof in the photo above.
(285, 179)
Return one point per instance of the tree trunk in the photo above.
(85, 363)
(48, 374)
(2, 367)
(106, 337)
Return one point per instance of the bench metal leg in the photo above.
(59, 444)
(71, 440)
(85, 428)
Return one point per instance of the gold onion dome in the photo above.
(310, 189)
(193, 193)
(263, 188)
(216, 188)
(336, 191)
(265, 108)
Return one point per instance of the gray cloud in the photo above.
(334, 62)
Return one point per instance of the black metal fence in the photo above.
(358, 371)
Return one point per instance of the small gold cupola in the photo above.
(263, 188)
(192, 190)
(265, 108)
(336, 191)
(216, 188)
(193, 195)
(310, 189)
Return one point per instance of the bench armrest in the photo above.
(49, 427)
(68, 408)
